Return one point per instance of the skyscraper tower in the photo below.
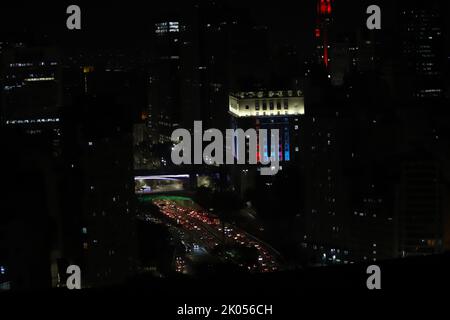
(324, 18)
(421, 28)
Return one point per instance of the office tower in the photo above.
(344, 58)
(370, 170)
(165, 79)
(31, 98)
(421, 201)
(203, 51)
(357, 51)
(421, 51)
(325, 219)
(322, 32)
(98, 175)
(32, 92)
(30, 226)
(420, 208)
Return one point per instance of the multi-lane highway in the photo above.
(205, 232)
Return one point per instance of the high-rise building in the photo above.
(322, 34)
(421, 52)
(165, 77)
(282, 110)
(97, 174)
(325, 215)
(31, 100)
(420, 209)
(420, 83)
(202, 52)
(31, 224)
(32, 86)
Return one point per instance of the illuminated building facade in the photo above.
(280, 110)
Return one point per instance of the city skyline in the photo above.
(90, 120)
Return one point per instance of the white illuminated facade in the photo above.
(280, 110)
(267, 104)
(167, 27)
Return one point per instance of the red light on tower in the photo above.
(317, 33)
(324, 10)
(324, 7)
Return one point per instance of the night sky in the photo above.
(122, 25)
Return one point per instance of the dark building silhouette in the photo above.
(97, 176)
(421, 55)
(32, 91)
(31, 101)
(30, 224)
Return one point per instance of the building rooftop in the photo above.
(267, 94)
